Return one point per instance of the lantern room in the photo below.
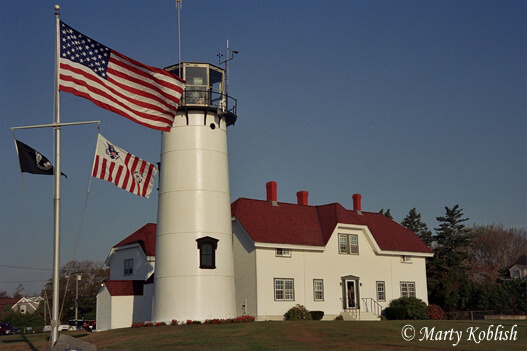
(205, 89)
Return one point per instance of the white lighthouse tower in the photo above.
(194, 270)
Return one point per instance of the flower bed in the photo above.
(241, 319)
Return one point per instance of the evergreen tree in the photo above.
(387, 213)
(453, 238)
(447, 270)
(413, 222)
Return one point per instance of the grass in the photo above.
(291, 335)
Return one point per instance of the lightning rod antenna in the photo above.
(226, 62)
(178, 5)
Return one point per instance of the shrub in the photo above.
(317, 315)
(339, 318)
(174, 322)
(435, 312)
(20, 320)
(395, 313)
(296, 313)
(415, 308)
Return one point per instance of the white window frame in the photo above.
(381, 291)
(348, 244)
(128, 267)
(406, 259)
(284, 289)
(283, 253)
(318, 289)
(408, 289)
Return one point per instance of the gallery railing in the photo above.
(210, 97)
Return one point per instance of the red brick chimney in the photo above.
(271, 192)
(356, 202)
(302, 197)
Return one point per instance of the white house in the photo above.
(519, 268)
(327, 258)
(24, 305)
(27, 304)
(126, 297)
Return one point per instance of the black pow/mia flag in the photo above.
(32, 161)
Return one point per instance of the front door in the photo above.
(351, 294)
(350, 291)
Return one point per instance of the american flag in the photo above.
(123, 169)
(144, 94)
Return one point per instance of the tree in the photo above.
(18, 291)
(92, 275)
(387, 213)
(413, 222)
(494, 250)
(447, 270)
(452, 240)
(4, 295)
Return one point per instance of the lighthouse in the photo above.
(194, 269)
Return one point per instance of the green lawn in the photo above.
(299, 335)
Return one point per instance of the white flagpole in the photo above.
(56, 198)
(56, 125)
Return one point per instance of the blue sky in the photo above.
(409, 103)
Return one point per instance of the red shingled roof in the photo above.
(286, 223)
(300, 225)
(124, 287)
(145, 236)
(8, 302)
(313, 225)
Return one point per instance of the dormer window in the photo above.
(207, 252)
(129, 267)
(349, 244)
(283, 253)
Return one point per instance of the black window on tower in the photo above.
(207, 252)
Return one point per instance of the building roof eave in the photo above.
(260, 245)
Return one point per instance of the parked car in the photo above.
(90, 325)
(8, 329)
(62, 327)
(80, 324)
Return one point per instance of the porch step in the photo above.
(362, 316)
